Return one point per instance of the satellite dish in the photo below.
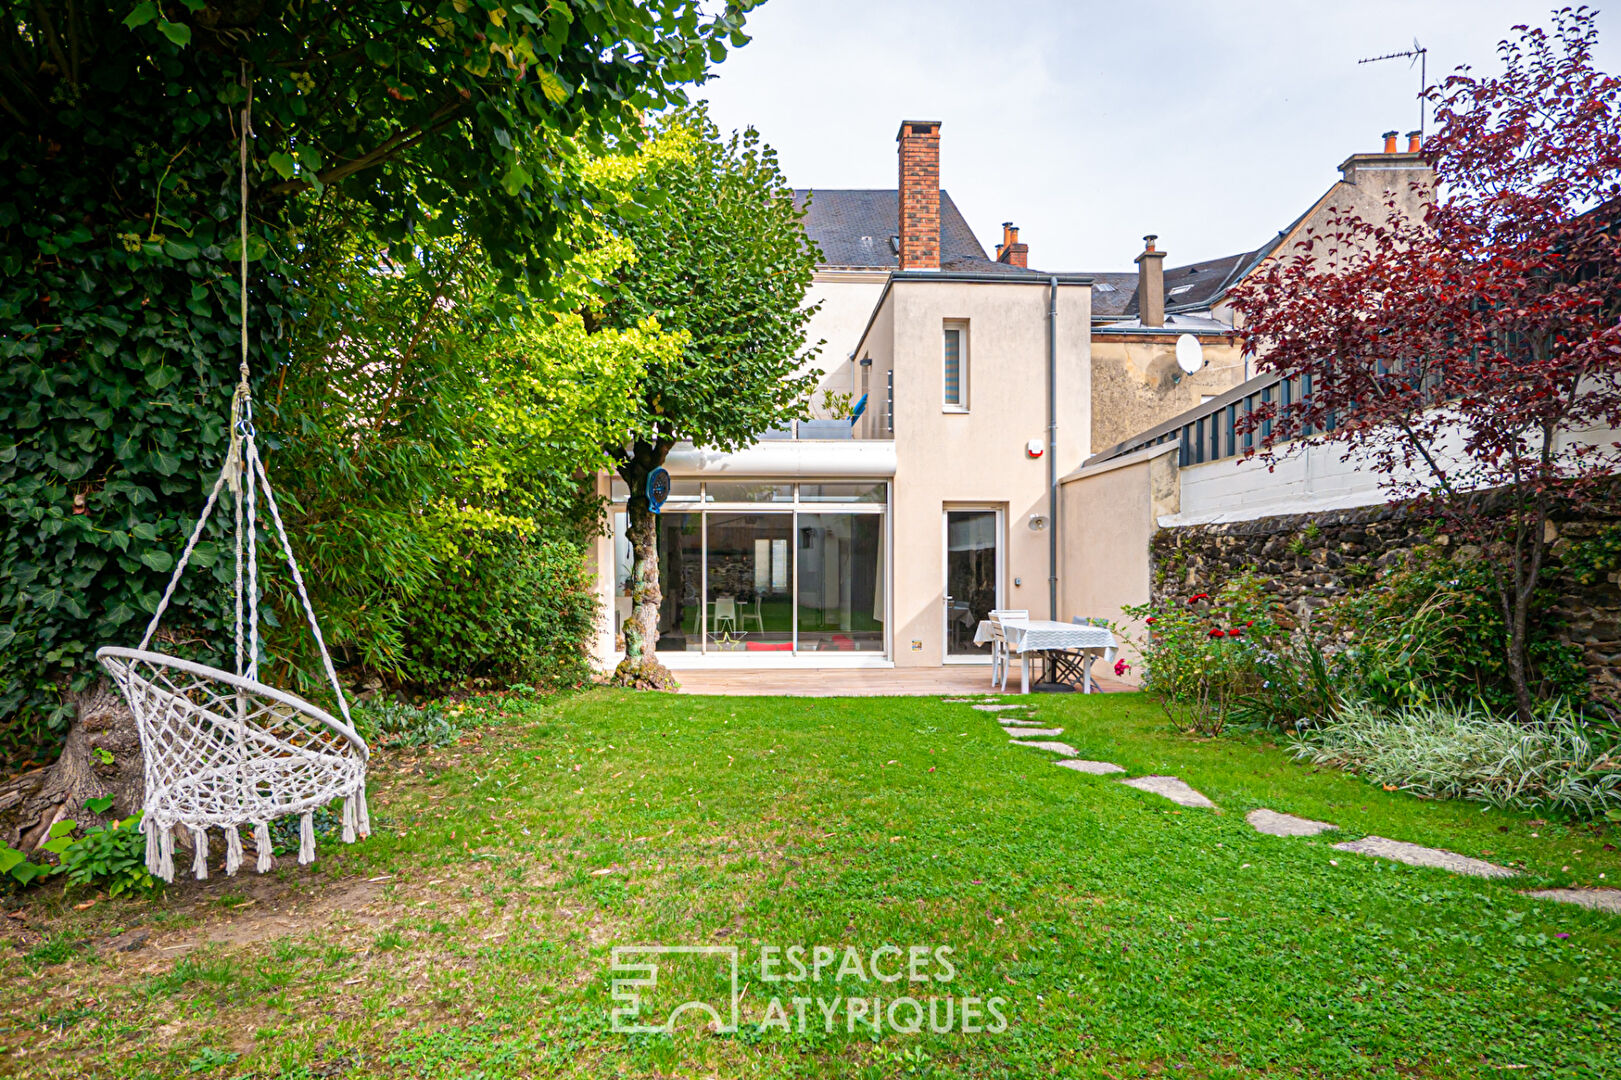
(1189, 353)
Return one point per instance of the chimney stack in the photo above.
(1151, 284)
(1390, 142)
(919, 194)
(1415, 142)
(1010, 251)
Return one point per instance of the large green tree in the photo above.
(725, 260)
(118, 294)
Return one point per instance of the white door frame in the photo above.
(945, 572)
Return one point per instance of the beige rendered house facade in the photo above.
(884, 540)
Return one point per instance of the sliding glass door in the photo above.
(769, 568)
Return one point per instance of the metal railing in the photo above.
(1209, 432)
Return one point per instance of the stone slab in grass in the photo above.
(1597, 899)
(1054, 747)
(999, 708)
(1416, 855)
(1091, 768)
(1273, 823)
(1172, 788)
(1035, 732)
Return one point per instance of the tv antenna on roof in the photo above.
(1418, 54)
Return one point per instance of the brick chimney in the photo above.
(1010, 251)
(1151, 284)
(920, 194)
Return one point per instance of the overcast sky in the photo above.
(1088, 124)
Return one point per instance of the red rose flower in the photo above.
(1121, 667)
(1236, 631)
(1215, 633)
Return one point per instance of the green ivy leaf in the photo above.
(552, 87)
(179, 33)
(161, 561)
(160, 377)
(516, 179)
(283, 163)
(143, 14)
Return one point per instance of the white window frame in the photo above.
(961, 404)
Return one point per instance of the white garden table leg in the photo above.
(1024, 673)
(1086, 674)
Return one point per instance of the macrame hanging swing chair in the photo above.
(222, 749)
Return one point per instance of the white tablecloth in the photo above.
(1042, 635)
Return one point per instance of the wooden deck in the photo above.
(855, 682)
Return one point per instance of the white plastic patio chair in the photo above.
(1000, 656)
(725, 613)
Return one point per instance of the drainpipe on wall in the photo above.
(1052, 448)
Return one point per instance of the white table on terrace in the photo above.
(1028, 637)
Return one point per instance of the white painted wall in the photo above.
(847, 298)
(1312, 479)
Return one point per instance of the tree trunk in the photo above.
(641, 668)
(103, 727)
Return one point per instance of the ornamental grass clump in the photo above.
(1441, 751)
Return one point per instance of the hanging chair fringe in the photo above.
(363, 822)
(149, 829)
(199, 863)
(166, 852)
(306, 839)
(261, 841)
(349, 819)
(233, 851)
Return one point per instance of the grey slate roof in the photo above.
(855, 227)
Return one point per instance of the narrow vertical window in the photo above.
(889, 401)
(955, 365)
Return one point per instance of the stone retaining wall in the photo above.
(1312, 558)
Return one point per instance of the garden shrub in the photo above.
(1444, 751)
(1204, 654)
(1430, 630)
(516, 610)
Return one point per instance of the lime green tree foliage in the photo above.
(726, 261)
(431, 433)
(118, 293)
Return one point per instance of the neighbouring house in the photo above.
(883, 539)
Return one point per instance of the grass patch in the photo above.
(1126, 936)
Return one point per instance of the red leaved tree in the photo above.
(1472, 358)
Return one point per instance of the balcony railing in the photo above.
(1210, 431)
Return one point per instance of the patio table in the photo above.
(1029, 637)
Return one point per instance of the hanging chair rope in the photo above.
(225, 750)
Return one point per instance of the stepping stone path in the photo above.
(1597, 899)
(1414, 855)
(1092, 768)
(1170, 787)
(1056, 747)
(1273, 823)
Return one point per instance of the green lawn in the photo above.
(1127, 937)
